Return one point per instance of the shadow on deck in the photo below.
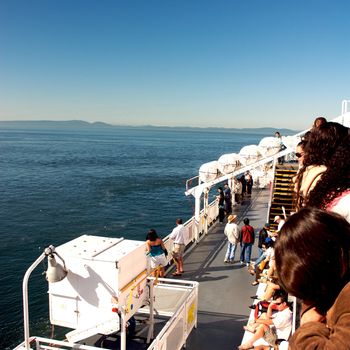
(225, 289)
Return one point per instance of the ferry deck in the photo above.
(225, 289)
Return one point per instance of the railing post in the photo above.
(197, 215)
(231, 184)
(123, 329)
(205, 211)
(344, 109)
(271, 188)
(151, 311)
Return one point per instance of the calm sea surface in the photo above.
(59, 184)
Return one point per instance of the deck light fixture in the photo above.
(55, 273)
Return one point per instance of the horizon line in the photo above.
(92, 123)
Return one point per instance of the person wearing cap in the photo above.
(279, 221)
(231, 231)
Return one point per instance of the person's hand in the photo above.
(311, 315)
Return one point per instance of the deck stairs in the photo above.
(282, 191)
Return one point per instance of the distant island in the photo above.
(80, 124)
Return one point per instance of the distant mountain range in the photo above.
(80, 124)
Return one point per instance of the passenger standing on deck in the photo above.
(156, 250)
(231, 231)
(282, 146)
(227, 198)
(238, 191)
(179, 235)
(246, 239)
(221, 204)
(249, 182)
(244, 185)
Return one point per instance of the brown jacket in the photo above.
(334, 334)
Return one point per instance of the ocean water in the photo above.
(56, 185)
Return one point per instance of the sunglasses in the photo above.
(299, 155)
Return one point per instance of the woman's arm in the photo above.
(162, 244)
(148, 247)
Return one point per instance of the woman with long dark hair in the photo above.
(319, 149)
(156, 250)
(312, 260)
(332, 191)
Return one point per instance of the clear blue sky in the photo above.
(233, 63)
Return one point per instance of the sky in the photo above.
(223, 63)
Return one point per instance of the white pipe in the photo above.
(272, 185)
(344, 109)
(123, 329)
(197, 213)
(25, 299)
(206, 224)
(150, 334)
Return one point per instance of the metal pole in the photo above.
(25, 299)
(272, 185)
(197, 213)
(151, 311)
(123, 329)
(206, 223)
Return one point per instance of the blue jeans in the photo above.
(259, 260)
(260, 252)
(231, 250)
(246, 252)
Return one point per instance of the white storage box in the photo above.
(103, 274)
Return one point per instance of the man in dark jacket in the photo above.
(246, 239)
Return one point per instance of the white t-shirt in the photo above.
(282, 320)
(179, 234)
(280, 224)
(270, 253)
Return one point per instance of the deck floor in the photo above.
(225, 289)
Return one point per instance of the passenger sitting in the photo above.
(269, 257)
(271, 326)
(272, 287)
(312, 257)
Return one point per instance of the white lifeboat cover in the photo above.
(251, 153)
(260, 177)
(270, 145)
(291, 141)
(209, 171)
(229, 162)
